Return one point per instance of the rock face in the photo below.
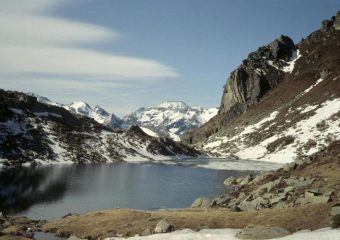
(255, 76)
(33, 133)
(262, 232)
(260, 72)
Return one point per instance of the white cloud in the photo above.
(33, 42)
(78, 62)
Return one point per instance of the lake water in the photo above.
(50, 192)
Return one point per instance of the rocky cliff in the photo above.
(32, 132)
(281, 103)
(262, 71)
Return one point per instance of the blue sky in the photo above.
(124, 54)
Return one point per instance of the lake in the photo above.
(50, 192)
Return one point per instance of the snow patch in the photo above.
(291, 64)
(311, 87)
(229, 234)
(47, 114)
(16, 111)
(149, 132)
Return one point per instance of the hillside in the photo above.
(33, 133)
(281, 103)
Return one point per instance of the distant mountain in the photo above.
(82, 108)
(35, 130)
(170, 118)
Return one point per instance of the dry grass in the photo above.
(130, 222)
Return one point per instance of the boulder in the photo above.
(202, 202)
(289, 189)
(245, 205)
(335, 209)
(222, 200)
(299, 182)
(246, 180)
(262, 232)
(282, 204)
(230, 181)
(261, 202)
(313, 200)
(164, 227)
(277, 199)
(335, 215)
(289, 166)
(146, 232)
(328, 193)
(261, 177)
(313, 192)
(336, 24)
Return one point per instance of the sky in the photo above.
(126, 54)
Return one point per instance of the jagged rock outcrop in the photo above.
(261, 71)
(256, 75)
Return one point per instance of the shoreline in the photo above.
(266, 166)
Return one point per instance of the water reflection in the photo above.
(23, 187)
(51, 192)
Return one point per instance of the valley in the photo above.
(264, 165)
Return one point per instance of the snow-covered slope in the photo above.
(82, 108)
(295, 119)
(32, 132)
(97, 113)
(170, 118)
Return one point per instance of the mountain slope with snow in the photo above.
(82, 108)
(294, 118)
(170, 118)
(33, 132)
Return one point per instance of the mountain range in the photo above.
(169, 119)
(36, 132)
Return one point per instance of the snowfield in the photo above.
(229, 234)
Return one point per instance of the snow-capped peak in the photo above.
(173, 105)
(170, 118)
(99, 114)
(80, 107)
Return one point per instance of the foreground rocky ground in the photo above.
(314, 179)
(18, 228)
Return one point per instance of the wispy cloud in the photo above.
(33, 42)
